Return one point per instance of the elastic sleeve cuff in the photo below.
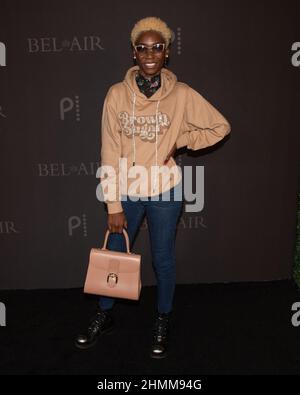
(182, 140)
(114, 207)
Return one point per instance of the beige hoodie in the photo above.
(142, 131)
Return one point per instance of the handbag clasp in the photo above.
(112, 276)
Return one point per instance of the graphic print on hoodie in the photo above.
(138, 132)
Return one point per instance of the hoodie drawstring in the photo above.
(133, 127)
(156, 130)
(156, 139)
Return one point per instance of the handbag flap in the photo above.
(107, 260)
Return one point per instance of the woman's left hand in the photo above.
(171, 153)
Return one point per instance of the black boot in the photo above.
(160, 337)
(102, 323)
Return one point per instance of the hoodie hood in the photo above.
(168, 82)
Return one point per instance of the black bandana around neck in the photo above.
(148, 86)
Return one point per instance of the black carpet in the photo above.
(242, 328)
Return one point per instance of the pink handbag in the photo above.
(113, 273)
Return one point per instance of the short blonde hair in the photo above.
(151, 23)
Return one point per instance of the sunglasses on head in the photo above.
(156, 48)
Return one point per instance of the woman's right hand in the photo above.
(116, 222)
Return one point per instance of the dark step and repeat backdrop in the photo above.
(59, 58)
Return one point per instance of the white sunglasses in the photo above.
(156, 48)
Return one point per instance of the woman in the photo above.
(145, 118)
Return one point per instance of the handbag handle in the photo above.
(126, 239)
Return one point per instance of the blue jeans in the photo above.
(162, 217)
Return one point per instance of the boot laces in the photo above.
(97, 322)
(161, 327)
